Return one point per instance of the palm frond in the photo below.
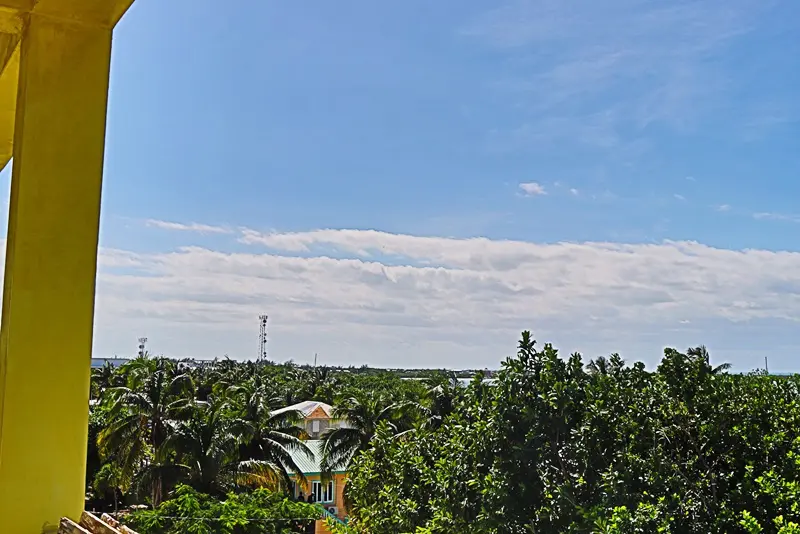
(260, 474)
(339, 446)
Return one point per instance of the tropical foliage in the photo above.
(555, 445)
(550, 444)
(157, 424)
(364, 414)
(259, 512)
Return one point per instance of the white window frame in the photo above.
(321, 494)
(315, 426)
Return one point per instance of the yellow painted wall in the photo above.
(321, 527)
(51, 258)
(339, 481)
(54, 58)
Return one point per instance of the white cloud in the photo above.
(785, 217)
(532, 189)
(454, 300)
(723, 207)
(190, 227)
(679, 197)
(574, 191)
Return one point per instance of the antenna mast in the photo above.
(142, 344)
(262, 339)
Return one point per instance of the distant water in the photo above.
(100, 362)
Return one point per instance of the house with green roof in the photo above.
(317, 419)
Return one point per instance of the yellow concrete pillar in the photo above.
(51, 259)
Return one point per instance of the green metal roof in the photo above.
(309, 466)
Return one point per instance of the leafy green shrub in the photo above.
(557, 446)
(257, 512)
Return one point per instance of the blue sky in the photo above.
(631, 167)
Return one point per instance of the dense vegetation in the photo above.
(258, 512)
(175, 436)
(557, 446)
(550, 445)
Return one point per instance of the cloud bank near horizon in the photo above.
(362, 288)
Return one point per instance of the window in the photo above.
(322, 493)
(315, 426)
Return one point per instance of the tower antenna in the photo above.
(262, 339)
(142, 346)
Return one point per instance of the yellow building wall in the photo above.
(321, 527)
(51, 257)
(53, 94)
(339, 481)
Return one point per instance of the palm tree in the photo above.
(158, 474)
(102, 379)
(252, 398)
(361, 416)
(700, 354)
(266, 435)
(206, 445)
(441, 396)
(109, 480)
(140, 415)
(315, 383)
(321, 383)
(224, 374)
(598, 366)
